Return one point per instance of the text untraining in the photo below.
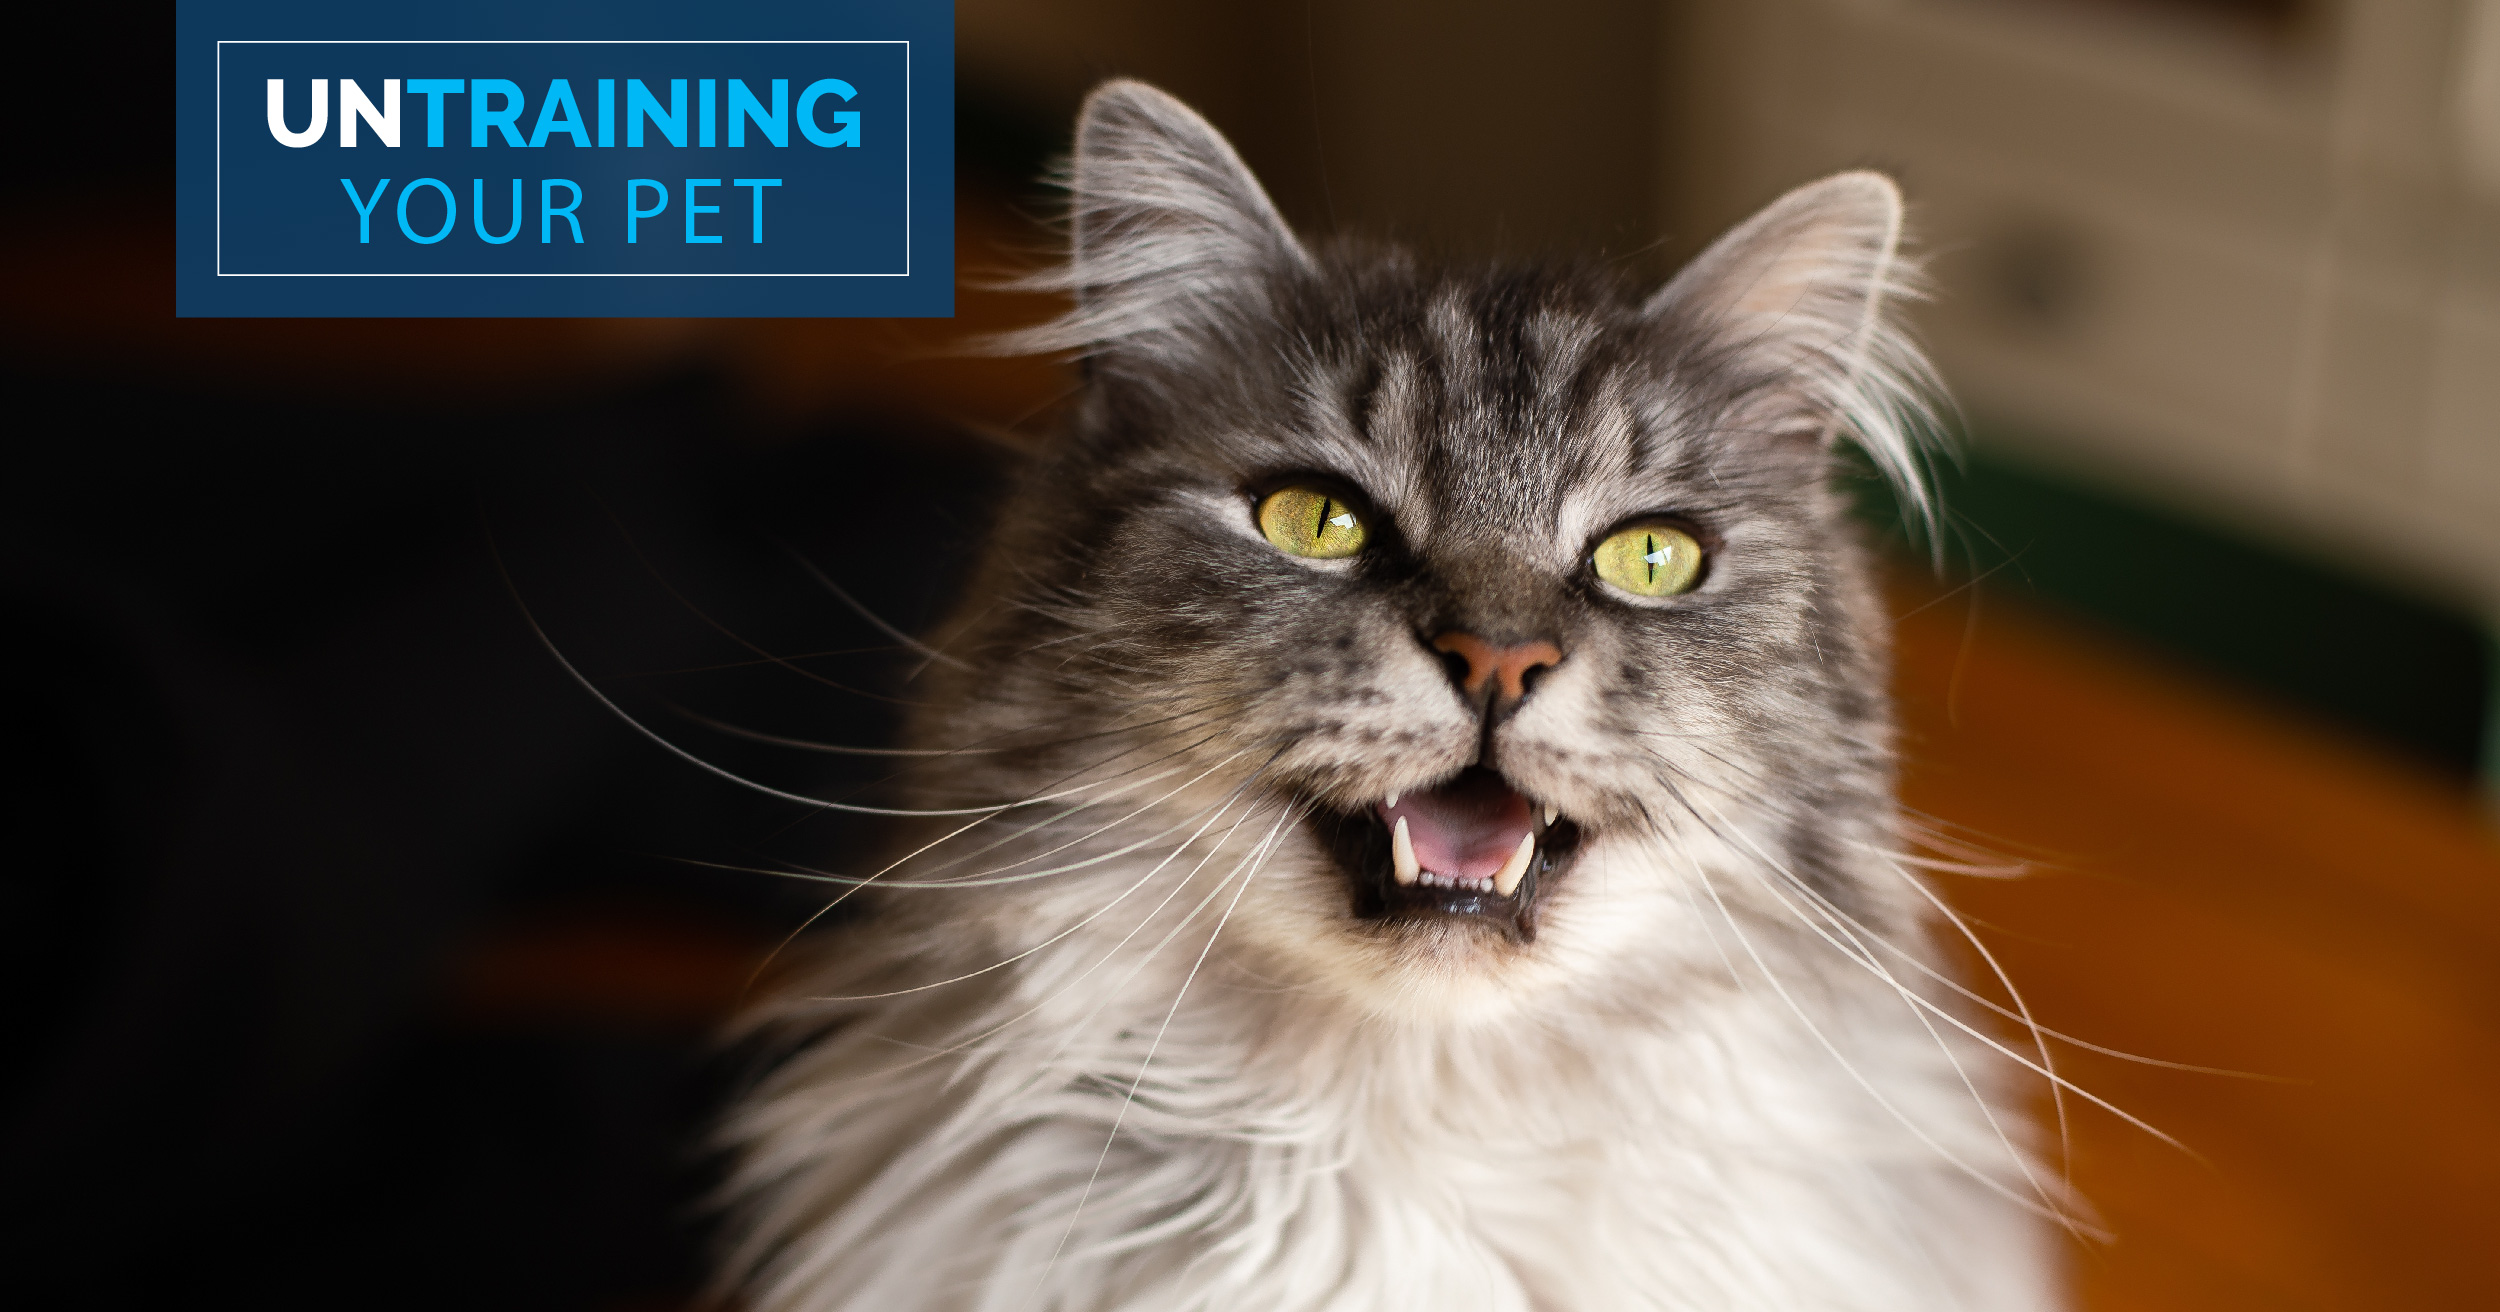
(496, 107)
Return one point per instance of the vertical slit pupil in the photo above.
(1649, 549)
(1319, 531)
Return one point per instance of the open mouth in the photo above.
(1473, 848)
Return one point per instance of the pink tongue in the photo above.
(1466, 828)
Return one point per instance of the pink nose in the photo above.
(1487, 663)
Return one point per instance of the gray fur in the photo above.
(1085, 1079)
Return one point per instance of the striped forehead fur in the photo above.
(1178, 259)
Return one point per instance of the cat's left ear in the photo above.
(1806, 296)
(1169, 232)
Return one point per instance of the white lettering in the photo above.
(353, 105)
(320, 113)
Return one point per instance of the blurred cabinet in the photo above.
(2240, 256)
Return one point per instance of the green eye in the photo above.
(1650, 560)
(1306, 521)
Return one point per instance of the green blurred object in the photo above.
(2409, 672)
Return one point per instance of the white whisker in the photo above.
(1097, 914)
(1864, 959)
(1926, 1140)
(826, 582)
(1259, 855)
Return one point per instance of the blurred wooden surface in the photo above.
(2211, 883)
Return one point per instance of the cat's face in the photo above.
(1505, 609)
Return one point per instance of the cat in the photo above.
(1404, 816)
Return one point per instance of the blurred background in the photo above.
(351, 941)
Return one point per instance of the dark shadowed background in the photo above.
(359, 956)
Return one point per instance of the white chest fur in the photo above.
(1812, 1149)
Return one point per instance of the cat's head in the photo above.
(1503, 621)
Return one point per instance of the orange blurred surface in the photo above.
(2213, 884)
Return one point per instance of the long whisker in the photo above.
(797, 871)
(2022, 1009)
(1119, 988)
(724, 630)
(2043, 1206)
(1098, 914)
(831, 749)
(811, 745)
(1861, 934)
(1925, 1004)
(539, 631)
(719, 667)
(1858, 934)
(1187, 918)
(1857, 953)
(983, 1037)
(1925, 1139)
(857, 884)
(1048, 822)
(742, 781)
(2023, 1017)
(869, 615)
(1120, 1117)
(1971, 867)
(887, 869)
(996, 874)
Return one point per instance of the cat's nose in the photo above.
(1508, 672)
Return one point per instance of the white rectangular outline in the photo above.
(220, 170)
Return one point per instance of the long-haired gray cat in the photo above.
(1407, 818)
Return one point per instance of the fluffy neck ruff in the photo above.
(1044, 1137)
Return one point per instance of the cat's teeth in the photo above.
(1506, 880)
(1402, 854)
(1393, 800)
(1551, 811)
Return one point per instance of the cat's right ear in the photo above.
(1169, 235)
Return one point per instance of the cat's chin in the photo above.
(1470, 852)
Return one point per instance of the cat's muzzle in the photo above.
(1473, 848)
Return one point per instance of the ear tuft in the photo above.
(1169, 234)
(1808, 291)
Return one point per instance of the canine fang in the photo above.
(1506, 880)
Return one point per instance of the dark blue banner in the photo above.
(562, 160)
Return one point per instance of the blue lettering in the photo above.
(483, 114)
(639, 107)
(847, 133)
(757, 186)
(433, 89)
(451, 211)
(743, 108)
(364, 208)
(548, 213)
(560, 96)
(607, 111)
(477, 212)
(694, 238)
(703, 99)
(633, 188)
